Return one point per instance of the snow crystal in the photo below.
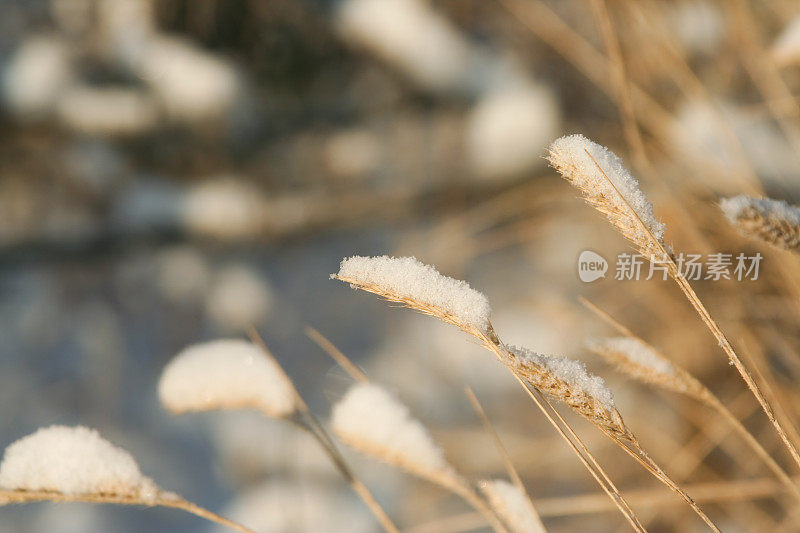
(372, 420)
(570, 153)
(570, 371)
(636, 351)
(225, 374)
(408, 278)
(513, 505)
(72, 460)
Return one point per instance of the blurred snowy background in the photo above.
(172, 171)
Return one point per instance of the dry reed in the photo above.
(678, 380)
(529, 369)
(302, 417)
(449, 480)
(446, 477)
(611, 191)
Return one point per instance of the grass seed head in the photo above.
(513, 505)
(772, 221)
(607, 186)
(642, 362)
(226, 374)
(568, 381)
(374, 422)
(73, 461)
(418, 286)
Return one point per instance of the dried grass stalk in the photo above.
(533, 519)
(249, 396)
(513, 505)
(626, 353)
(543, 375)
(416, 305)
(657, 371)
(532, 367)
(75, 463)
(160, 499)
(371, 420)
(535, 370)
(609, 188)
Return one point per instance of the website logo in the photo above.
(591, 266)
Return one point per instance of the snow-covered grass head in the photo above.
(418, 286)
(75, 461)
(226, 374)
(421, 287)
(772, 221)
(610, 188)
(642, 362)
(513, 505)
(372, 421)
(567, 380)
(76, 464)
(635, 352)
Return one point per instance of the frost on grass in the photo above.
(738, 207)
(610, 188)
(512, 505)
(634, 351)
(74, 461)
(772, 221)
(407, 278)
(225, 374)
(570, 371)
(374, 422)
(786, 48)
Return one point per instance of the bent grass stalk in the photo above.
(632, 447)
(538, 377)
(682, 382)
(507, 462)
(162, 499)
(531, 368)
(309, 422)
(593, 503)
(653, 248)
(76, 464)
(247, 376)
(588, 460)
(584, 455)
(451, 481)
